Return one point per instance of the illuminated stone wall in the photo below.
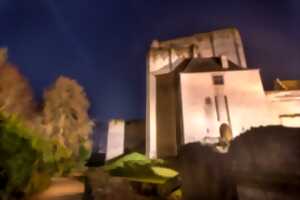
(123, 136)
(164, 57)
(194, 109)
(115, 139)
(286, 106)
(240, 102)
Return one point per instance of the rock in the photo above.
(102, 186)
(167, 188)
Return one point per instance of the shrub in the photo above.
(137, 167)
(28, 161)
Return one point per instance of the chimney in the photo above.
(224, 62)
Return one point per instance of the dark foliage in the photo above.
(27, 160)
(262, 164)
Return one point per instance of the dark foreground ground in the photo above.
(262, 164)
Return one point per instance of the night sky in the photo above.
(103, 43)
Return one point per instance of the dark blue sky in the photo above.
(103, 43)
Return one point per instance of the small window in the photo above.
(218, 80)
(208, 101)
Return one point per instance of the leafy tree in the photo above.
(3, 56)
(65, 116)
(16, 95)
(28, 161)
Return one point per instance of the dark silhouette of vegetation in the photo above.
(262, 163)
(28, 161)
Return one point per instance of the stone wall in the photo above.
(285, 105)
(241, 103)
(164, 56)
(115, 139)
(135, 136)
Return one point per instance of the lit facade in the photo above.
(197, 83)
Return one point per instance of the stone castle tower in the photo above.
(165, 56)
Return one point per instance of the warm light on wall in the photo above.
(293, 122)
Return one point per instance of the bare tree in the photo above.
(65, 114)
(16, 96)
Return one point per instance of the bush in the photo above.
(28, 161)
(148, 177)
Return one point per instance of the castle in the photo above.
(197, 84)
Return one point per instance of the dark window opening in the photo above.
(218, 80)
(217, 108)
(227, 110)
(208, 101)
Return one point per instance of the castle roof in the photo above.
(208, 65)
(194, 65)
